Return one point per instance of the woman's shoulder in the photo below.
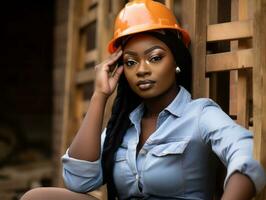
(203, 102)
(187, 105)
(199, 105)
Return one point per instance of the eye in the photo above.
(155, 58)
(130, 63)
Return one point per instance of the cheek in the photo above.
(167, 72)
(129, 76)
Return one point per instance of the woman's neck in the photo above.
(154, 106)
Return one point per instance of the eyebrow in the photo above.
(145, 52)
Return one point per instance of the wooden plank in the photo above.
(88, 18)
(207, 95)
(233, 92)
(93, 2)
(169, 4)
(72, 31)
(117, 6)
(60, 46)
(229, 61)
(84, 76)
(242, 85)
(104, 23)
(199, 49)
(259, 86)
(246, 9)
(212, 12)
(91, 56)
(230, 31)
(84, 6)
(233, 73)
(242, 103)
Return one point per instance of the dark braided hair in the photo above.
(126, 101)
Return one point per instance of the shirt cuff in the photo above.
(250, 167)
(82, 168)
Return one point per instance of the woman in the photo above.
(159, 143)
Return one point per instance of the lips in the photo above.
(145, 84)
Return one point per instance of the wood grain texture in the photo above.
(230, 31)
(229, 61)
(259, 85)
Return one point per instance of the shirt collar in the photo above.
(176, 107)
(137, 114)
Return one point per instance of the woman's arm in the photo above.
(87, 142)
(239, 187)
(233, 144)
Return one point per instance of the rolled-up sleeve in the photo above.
(232, 143)
(81, 175)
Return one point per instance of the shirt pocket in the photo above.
(171, 148)
(164, 172)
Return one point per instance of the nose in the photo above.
(143, 69)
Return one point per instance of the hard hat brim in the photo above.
(112, 46)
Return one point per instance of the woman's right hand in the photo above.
(105, 84)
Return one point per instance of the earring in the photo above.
(177, 70)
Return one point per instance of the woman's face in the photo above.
(149, 66)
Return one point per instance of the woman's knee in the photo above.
(33, 194)
(53, 193)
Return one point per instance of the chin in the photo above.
(147, 94)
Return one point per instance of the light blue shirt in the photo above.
(178, 161)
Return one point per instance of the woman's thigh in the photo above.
(53, 193)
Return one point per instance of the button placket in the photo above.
(162, 116)
(132, 156)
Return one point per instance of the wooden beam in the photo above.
(212, 13)
(230, 31)
(103, 26)
(93, 2)
(229, 61)
(88, 18)
(233, 73)
(242, 101)
(169, 4)
(199, 32)
(91, 56)
(259, 85)
(69, 47)
(84, 76)
(244, 90)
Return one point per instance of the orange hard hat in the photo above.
(144, 15)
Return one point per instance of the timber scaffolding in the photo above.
(229, 63)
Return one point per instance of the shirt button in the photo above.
(148, 142)
(143, 151)
(137, 177)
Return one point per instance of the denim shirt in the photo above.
(178, 161)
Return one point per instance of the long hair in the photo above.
(126, 101)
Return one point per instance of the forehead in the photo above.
(143, 41)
